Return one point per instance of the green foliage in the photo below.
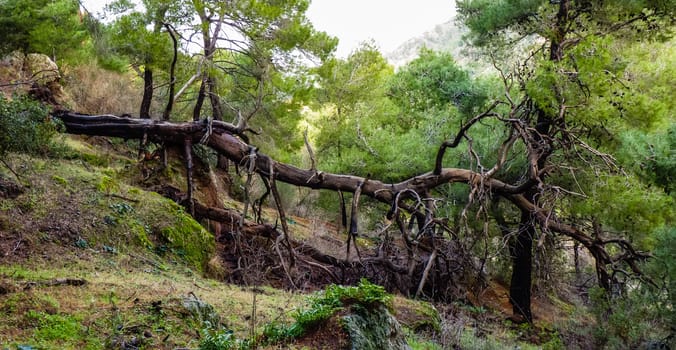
(221, 340)
(627, 322)
(662, 269)
(644, 313)
(41, 26)
(24, 126)
(370, 120)
(491, 22)
(365, 294)
(432, 82)
(50, 328)
(487, 17)
(137, 36)
(323, 305)
(626, 205)
(651, 155)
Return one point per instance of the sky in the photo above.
(388, 22)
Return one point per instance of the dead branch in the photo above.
(428, 267)
(282, 218)
(461, 133)
(313, 164)
(354, 221)
(188, 166)
(227, 144)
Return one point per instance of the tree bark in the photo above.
(147, 93)
(172, 74)
(520, 249)
(539, 150)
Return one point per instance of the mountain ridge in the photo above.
(445, 37)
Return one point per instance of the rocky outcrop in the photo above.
(34, 74)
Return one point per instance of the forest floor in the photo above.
(90, 260)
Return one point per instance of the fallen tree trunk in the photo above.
(222, 137)
(223, 140)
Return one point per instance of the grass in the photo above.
(81, 217)
(140, 254)
(73, 202)
(123, 298)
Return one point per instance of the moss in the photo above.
(141, 231)
(418, 316)
(60, 180)
(186, 237)
(565, 307)
(6, 204)
(429, 317)
(55, 327)
(107, 184)
(95, 160)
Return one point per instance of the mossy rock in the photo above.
(185, 236)
(418, 316)
(374, 328)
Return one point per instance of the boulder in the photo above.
(41, 69)
(33, 73)
(374, 328)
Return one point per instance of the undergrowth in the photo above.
(319, 308)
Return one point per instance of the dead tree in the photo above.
(406, 196)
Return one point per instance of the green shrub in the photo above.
(25, 126)
(629, 320)
(323, 305)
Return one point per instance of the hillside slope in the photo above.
(445, 37)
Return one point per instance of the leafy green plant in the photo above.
(323, 305)
(629, 320)
(221, 340)
(121, 208)
(24, 126)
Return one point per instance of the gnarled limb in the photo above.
(438, 165)
(224, 140)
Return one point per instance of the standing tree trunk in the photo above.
(172, 74)
(147, 93)
(144, 113)
(520, 249)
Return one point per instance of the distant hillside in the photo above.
(445, 37)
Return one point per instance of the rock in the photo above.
(6, 288)
(201, 310)
(9, 189)
(41, 69)
(33, 73)
(374, 328)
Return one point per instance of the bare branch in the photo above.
(461, 133)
